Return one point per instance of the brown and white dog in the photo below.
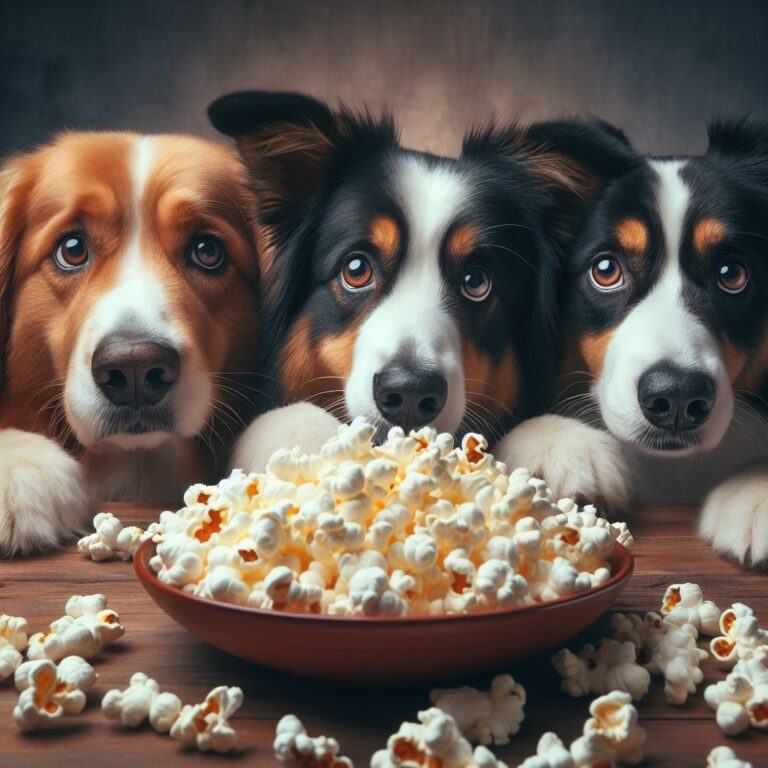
(404, 287)
(128, 277)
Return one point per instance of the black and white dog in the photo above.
(665, 307)
(405, 287)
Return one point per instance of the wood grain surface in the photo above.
(667, 550)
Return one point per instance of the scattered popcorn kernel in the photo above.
(741, 700)
(666, 649)
(87, 626)
(13, 639)
(111, 539)
(611, 667)
(206, 725)
(295, 749)
(685, 604)
(487, 717)
(740, 635)
(434, 741)
(141, 700)
(412, 527)
(50, 691)
(725, 757)
(550, 753)
(615, 718)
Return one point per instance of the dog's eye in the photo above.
(207, 252)
(732, 277)
(476, 284)
(606, 273)
(357, 272)
(71, 253)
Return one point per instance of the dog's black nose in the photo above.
(134, 371)
(409, 397)
(675, 399)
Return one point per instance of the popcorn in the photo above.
(141, 700)
(111, 539)
(412, 527)
(615, 718)
(741, 700)
(206, 725)
(434, 741)
(486, 717)
(87, 626)
(685, 604)
(550, 753)
(50, 691)
(13, 640)
(725, 757)
(671, 651)
(740, 637)
(611, 667)
(295, 749)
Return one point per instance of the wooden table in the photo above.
(667, 550)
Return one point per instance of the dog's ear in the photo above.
(15, 182)
(291, 143)
(738, 138)
(569, 160)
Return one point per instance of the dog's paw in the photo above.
(44, 496)
(301, 424)
(575, 460)
(734, 518)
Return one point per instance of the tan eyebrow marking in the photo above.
(707, 234)
(632, 235)
(385, 235)
(461, 241)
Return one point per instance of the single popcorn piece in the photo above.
(86, 628)
(50, 691)
(111, 539)
(669, 650)
(550, 753)
(412, 527)
(741, 700)
(14, 632)
(685, 604)
(486, 717)
(141, 700)
(295, 749)
(614, 718)
(740, 636)
(206, 725)
(611, 667)
(725, 757)
(434, 741)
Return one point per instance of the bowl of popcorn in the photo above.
(410, 560)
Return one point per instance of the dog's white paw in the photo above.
(734, 518)
(575, 460)
(301, 424)
(44, 496)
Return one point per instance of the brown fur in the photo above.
(385, 235)
(492, 390)
(707, 234)
(461, 241)
(83, 181)
(593, 348)
(632, 235)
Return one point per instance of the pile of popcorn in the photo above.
(414, 526)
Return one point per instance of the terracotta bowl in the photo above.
(389, 650)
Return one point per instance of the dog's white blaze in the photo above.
(661, 328)
(413, 321)
(136, 304)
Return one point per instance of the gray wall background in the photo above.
(659, 69)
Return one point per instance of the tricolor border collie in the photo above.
(409, 288)
(665, 305)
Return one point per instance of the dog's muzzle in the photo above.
(674, 399)
(136, 376)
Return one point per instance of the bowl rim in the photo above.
(621, 560)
